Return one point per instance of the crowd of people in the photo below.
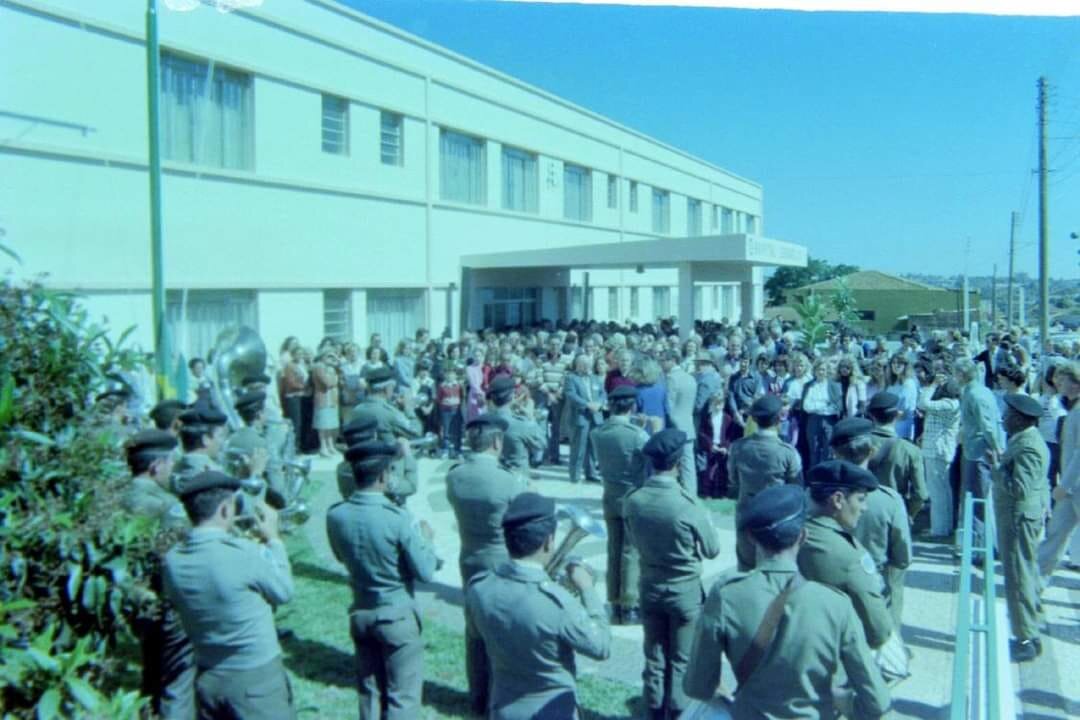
(833, 453)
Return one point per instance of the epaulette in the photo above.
(556, 592)
(482, 575)
(729, 576)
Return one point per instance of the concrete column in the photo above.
(359, 318)
(752, 296)
(686, 299)
(466, 302)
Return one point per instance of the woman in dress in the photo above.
(940, 406)
(474, 381)
(293, 383)
(352, 379)
(325, 418)
(901, 382)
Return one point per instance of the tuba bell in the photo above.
(238, 352)
(582, 525)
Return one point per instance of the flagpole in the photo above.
(153, 91)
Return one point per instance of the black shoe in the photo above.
(1025, 650)
(593, 480)
(631, 616)
(285, 634)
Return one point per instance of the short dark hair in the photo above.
(1013, 374)
(525, 540)
(366, 472)
(881, 415)
(250, 413)
(821, 493)
(165, 413)
(856, 449)
(192, 361)
(202, 505)
(192, 438)
(482, 437)
(769, 421)
(141, 462)
(623, 406)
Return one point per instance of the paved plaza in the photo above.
(1046, 689)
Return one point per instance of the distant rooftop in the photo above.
(870, 280)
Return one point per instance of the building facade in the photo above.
(325, 173)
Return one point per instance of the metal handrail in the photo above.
(965, 629)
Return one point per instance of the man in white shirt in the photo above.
(1066, 495)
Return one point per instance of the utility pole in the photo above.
(1015, 219)
(1044, 230)
(157, 276)
(993, 299)
(965, 325)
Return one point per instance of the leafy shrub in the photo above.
(74, 568)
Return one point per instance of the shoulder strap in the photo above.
(766, 632)
(883, 452)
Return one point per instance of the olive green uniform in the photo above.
(522, 438)
(224, 589)
(145, 497)
(392, 424)
(819, 636)
(531, 627)
(754, 463)
(385, 555)
(245, 442)
(617, 445)
(480, 490)
(673, 532)
(1020, 502)
(831, 555)
(190, 465)
(885, 531)
(899, 464)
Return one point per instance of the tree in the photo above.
(789, 278)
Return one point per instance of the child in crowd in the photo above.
(448, 398)
(424, 390)
(714, 439)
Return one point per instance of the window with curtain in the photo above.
(699, 302)
(634, 302)
(715, 217)
(520, 181)
(612, 191)
(716, 298)
(335, 125)
(395, 314)
(337, 314)
(577, 193)
(613, 304)
(207, 114)
(462, 168)
(633, 196)
(661, 211)
(661, 302)
(693, 217)
(727, 220)
(196, 317)
(751, 224)
(391, 138)
(577, 302)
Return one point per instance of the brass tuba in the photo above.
(582, 525)
(238, 352)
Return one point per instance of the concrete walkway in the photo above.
(1046, 689)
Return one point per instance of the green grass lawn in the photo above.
(320, 656)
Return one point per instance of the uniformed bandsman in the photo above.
(758, 461)
(392, 424)
(1021, 497)
(523, 437)
(166, 416)
(617, 444)
(896, 462)
(831, 554)
(785, 669)
(531, 625)
(168, 676)
(479, 491)
(202, 434)
(224, 588)
(673, 532)
(385, 553)
(883, 529)
(251, 440)
(354, 432)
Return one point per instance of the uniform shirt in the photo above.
(531, 628)
(225, 588)
(900, 466)
(383, 551)
(391, 424)
(672, 531)
(980, 421)
(480, 491)
(522, 438)
(190, 465)
(820, 635)
(247, 439)
(831, 555)
(145, 497)
(884, 529)
(617, 445)
(1020, 479)
(760, 460)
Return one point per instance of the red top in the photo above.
(449, 396)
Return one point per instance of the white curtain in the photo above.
(394, 314)
(693, 217)
(197, 324)
(462, 175)
(577, 193)
(661, 302)
(661, 207)
(728, 221)
(519, 181)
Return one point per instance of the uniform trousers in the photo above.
(976, 478)
(1062, 525)
(1018, 538)
(669, 635)
(939, 485)
(477, 663)
(389, 663)
(554, 433)
(623, 563)
(261, 693)
(894, 579)
(168, 666)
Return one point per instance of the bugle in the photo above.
(582, 525)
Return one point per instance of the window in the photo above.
(693, 217)
(661, 211)
(751, 224)
(634, 302)
(613, 304)
(391, 138)
(661, 302)
(577, 302)
(577, 193)
(335, 125)
(633, 196)
(699, 302)
(870, 315)
(462, 171)
(715, 217)
(519, 180)
(612, 191)
(727, 224)
(207, 114)
(716, 298)
(337, 314)
(510, 307)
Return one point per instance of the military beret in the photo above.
(251, 400)
(665, 444)
(207, 480)
(623, 392)
(766, 406)
(883, 402)
(705, 357)
(501, 385)
(151, 441)
(488, 420)
(256, 379)
(361, 426)
(1024, 404)
(164, 408)
(777, 513)
(370, 450)
(849, 428)
(527, 508)
(380, 375)
(202, 415)
(841, 474)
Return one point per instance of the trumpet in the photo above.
(582, 525)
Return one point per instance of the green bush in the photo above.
(74, 568)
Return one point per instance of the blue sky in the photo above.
(891, 141)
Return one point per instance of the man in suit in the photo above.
(988, 358)
(585, 399)
(681, 395)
